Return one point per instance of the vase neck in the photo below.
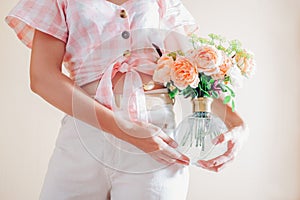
(202, 104)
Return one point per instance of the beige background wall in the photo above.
(267, 168)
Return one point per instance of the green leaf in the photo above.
(194, 94)
(232, 105)
(231, 91)
(227, 78)
(203, 40)
(179, 52)
(173, 93)
(227, 99)
(215, 94)
(223, 88)
(189, 92)
(220, 47)
(203, 79)
(173, 55)
(205, 93)
(208, 86)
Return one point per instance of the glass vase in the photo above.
(196, 132)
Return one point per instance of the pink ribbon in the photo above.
(133, 104)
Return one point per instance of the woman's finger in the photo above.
(167, 139)
(214, 168)
(159, 156)
(170, 155)
(224, 137)
(240, 132)
(226, 157)
(167, 158)
(174, 154)
(160, 160)
(217, 168)
(172, 160)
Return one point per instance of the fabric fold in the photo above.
(132, 106)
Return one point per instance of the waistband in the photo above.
(153, 98)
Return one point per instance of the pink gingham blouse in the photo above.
(103, 38)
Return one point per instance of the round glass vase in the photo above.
(196, 132)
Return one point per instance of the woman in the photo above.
(107, 47)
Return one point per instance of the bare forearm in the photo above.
(231, 119)
(61, 92)
(47, 80)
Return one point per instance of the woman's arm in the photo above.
(48, 81)
(234, 137)
(224, 112)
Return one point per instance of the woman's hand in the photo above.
(235, 137)
(152, 140)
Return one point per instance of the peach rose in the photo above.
(162, 72)
(184, 73)
(224, 67)
(246, 65)
(207, 59)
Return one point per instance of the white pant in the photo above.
(89, 164)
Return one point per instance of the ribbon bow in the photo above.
(133, 104)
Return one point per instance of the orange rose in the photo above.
(224, 67)
(246, 64)
(207, 59)
(184, 73)
(162, 72)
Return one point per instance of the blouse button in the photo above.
(123, 14)
(125, 34)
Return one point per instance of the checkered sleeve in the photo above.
(47, 16)
(176, 17)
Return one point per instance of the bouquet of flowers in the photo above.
(212, 69)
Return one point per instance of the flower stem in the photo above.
(198, 88)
